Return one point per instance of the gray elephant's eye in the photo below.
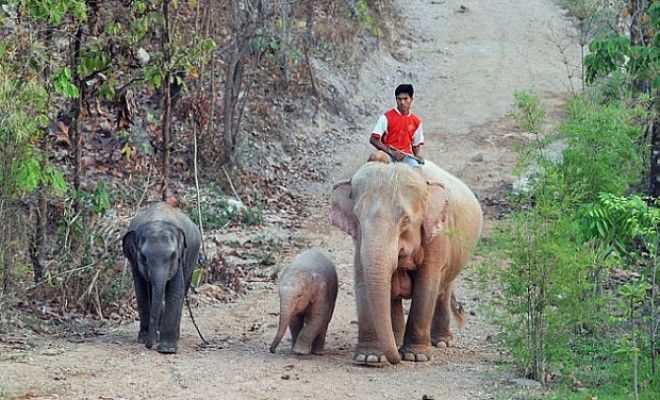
(143, 259)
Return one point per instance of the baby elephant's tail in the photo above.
(458, 310)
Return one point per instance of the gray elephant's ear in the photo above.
(341, 208)
(129, 244)
(182, 245)
(437, 205)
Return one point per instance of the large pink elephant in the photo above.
(413, 229)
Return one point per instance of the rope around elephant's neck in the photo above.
(194, 322)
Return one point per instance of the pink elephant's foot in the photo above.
(369, 356)
(446, 339)
(415, 353)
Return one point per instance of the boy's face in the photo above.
(403, 102)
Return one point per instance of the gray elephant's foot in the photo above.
(142, 337)
(167, 347)
(415, 353)
(369, 356)
(446, 339)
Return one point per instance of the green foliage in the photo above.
(220, 213)
(31, 173)
(546, 277)
(62, 83)
(252, 216)
(54, 11)
(365, 17)
(92, 60)
(614, 52)
(575, 228)
(527, 111)
(604, 154)
(620, 221)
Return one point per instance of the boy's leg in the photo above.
(380, 156)
(410, 161)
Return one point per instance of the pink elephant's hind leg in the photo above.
(398, 320)
(440, 332)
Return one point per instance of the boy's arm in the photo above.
(378, 144)
(376, 139)
(417, 151)
(418, 141)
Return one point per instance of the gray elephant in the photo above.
(413, 229)
(308, 291)
(162, 245)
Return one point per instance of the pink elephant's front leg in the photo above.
(417, 339)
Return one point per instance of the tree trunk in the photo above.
(76, 107)
(654, 175)
(165, 133)
(41, 212)
(639, 35)
(167, 106)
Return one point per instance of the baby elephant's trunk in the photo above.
(285, 318)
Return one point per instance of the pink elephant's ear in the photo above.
(341, 208)
(437, 205)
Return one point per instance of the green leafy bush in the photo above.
(604, 152)
(558, 304)
(527, 111)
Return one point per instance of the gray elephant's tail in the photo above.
(458, 310)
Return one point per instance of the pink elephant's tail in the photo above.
(458, 311)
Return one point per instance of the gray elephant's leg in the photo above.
(397, 320)
(295, 326)
(417, 340)
(440, 332)
(171, 317)
(143, 300)
(313, 325)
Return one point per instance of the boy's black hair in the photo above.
(404, 88)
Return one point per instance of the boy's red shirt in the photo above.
(401, 131)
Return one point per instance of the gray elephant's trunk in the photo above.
(378, 269)
(157, 281)
(285, 319)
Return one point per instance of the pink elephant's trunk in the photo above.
(378, 270)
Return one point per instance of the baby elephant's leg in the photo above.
(312, 328)
(296, 326)
(319, 342)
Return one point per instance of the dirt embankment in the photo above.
(465, 59)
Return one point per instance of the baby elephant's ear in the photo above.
(129, 244)
(437, 205)
(341, 208)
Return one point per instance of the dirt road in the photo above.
(465, 59)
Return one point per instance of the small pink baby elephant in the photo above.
(308, 290)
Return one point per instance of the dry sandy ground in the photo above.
(465, 64)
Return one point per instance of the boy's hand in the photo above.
(397, 154)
